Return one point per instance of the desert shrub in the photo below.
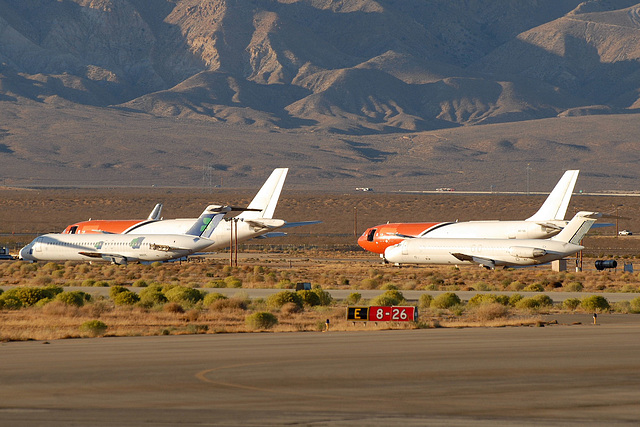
(389, 287)
(324, 296)
(77, 298)
(103, 284)
(212, 297)
(261, 320)
(446, 300)
(513, 299)
(516, 286)
(635, 305)
(233, 282)
(571, 303)
(574, 287)
(389, 298)
(94, 327)
(490, 311)
(281, 298)
(534, 287)
(51, 266)
(354, 298)
(183, 294)
(173, 307)
(140, 283)
(115, 290)
(10, 302)
(424, 302)
(88, 282)
(125, 297)
(309, 297)
(480, 299)
(228, 304)
(595, 303)
(285, 284)
(290, 308)
(536, 302)
(27, 296)
(383, 300)
(152, 295)
(368, 283)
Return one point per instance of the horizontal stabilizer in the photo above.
(261, 223)
(300, 223)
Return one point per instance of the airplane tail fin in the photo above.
(208, 221)
(155, 213)
(555, 207)
(264, 203)
(577, 227)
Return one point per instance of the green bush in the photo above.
(152, 295)
(94, 327)
(595, 303)
(446, 300)
(536, 302)
(183, 294)
(389, 298)
(88, 282)
(383, 300)
(29, 296)
(115, 290)
(635, 305)
(233, 282)
(140, 283)
(534, 287)
(212, 297)
(574, 287)
(276, 301)
(389, 287)
(324, 296)
(354, 298)
(261, 320)
(125, 297)
(77, 298)
(480, 299)
(309, 297)
(424, 302)
(10, 302)
(513, 299)
(571, 303)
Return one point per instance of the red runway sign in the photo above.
(382, 314)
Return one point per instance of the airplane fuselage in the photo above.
(221, 236)
(111, 247)
(378, 239)
(502, 252)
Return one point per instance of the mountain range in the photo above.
(381, 92)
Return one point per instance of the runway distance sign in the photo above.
(382, 314)
(358, 313)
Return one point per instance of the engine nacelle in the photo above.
(526, 252)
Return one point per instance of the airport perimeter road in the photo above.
(545, 376)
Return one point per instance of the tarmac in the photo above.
(558, 375)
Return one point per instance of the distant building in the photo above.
(364, 189)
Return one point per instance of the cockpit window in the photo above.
(370, 235)
(73, 229)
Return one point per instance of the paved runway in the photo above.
(537, 376)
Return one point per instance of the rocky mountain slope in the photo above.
(352, 68)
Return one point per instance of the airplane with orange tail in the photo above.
(547, 222)
(256, 221)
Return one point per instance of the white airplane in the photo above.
(494, 252)
(124, 248)
(546, 222)
(255, 221)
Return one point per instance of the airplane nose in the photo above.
(25, 253)
(393, 253)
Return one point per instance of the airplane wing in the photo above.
(271, 234)
(114, 258)
(261, 223)
(300, 223)
(486, 262)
